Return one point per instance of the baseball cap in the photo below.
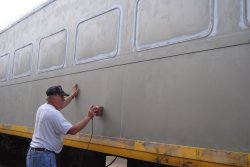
(56, 90)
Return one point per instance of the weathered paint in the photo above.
(175, 155)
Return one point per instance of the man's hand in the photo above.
(93, 110)
(75, 91)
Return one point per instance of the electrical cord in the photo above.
(92, 131)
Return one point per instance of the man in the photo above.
(51, 126)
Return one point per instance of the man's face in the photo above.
(58, 101)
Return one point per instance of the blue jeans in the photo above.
(40, 159)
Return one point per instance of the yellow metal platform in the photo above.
(175, 155)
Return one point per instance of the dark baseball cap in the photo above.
(56, 90)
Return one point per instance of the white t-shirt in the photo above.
(50, 127)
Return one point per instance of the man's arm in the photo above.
(74, 93)
(81, 124)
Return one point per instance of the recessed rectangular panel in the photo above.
(52, 51)
(164, 22)
(98, 37)
(4, 63)
(22, 61)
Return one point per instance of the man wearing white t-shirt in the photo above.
(51, 126)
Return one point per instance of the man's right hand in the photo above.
(93, 110)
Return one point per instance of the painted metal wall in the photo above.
(166, 71)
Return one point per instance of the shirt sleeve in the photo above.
(60, 124)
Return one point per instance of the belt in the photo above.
(41, 149)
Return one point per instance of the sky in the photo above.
(12, 10)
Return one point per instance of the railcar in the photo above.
(172, 75)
